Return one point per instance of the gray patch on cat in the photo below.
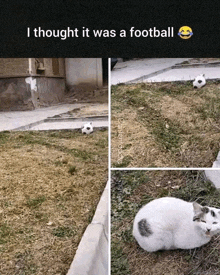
(198, 216)
(144, 228)
(213, 213)
(200, 212)
(205, 210)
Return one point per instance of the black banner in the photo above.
(110, 29)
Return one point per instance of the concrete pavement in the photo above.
(185, 74)
(161, 70)
(132, 70)
(50, 118)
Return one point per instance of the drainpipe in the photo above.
(33, 85)
(30, 69)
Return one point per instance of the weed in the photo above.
(63, 231)
(24, 263)
(42, 217)
(4, 136)
(5, 233)
(72, 170)
(124, 163)
(102, 143)
(210, 109)
(119, 262)
(35, 202)
(58, 163)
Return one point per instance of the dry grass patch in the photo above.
(133, 189)
(50, 185)
(165, 125)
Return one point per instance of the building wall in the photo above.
(53, 67)
(24, 87)
(83, 71)
(29, 83)
(14, 67)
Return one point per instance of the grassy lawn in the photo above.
(132, 189)
(50, 185)
(165, 125)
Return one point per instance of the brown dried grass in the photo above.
(44, 209)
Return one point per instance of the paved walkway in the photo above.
(185, 74)
(159, 70)
(38, 119)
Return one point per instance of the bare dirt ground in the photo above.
(194, 61)
(165, 125)
(50, 185)
(133, 189)
(85, 93)
(87, 110)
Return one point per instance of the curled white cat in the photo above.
(171, 223)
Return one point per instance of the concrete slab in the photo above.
(134, 69)
(65, 124)
(92, 254)
(13, 120)
(214, 175)
(68, 125)
(41, 119)
(185, 74)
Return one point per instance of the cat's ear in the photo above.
(197, 207)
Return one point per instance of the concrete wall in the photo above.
(15, 95)
(50, 90)
(28, 93)
(83, 71)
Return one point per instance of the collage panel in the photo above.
(164, 222)
(165, 112)
(53, 166)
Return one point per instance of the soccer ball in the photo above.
(199, 81)
(87, 128)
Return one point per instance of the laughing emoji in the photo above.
(185, 32)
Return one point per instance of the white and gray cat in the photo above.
(170, 223)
